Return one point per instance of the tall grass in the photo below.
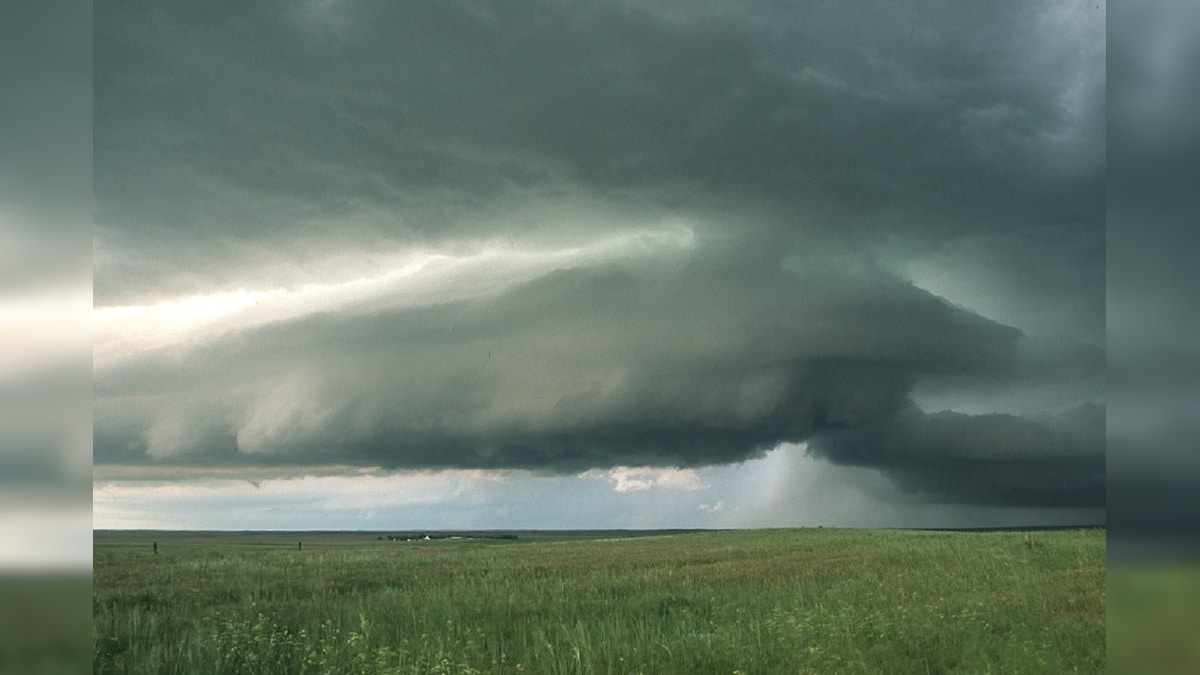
(773, 601)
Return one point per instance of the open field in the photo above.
(764, 601)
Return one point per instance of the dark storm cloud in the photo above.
(335, 121)
(994, 459)
(682, 365)
(836, 168)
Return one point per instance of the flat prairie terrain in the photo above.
(754, 601)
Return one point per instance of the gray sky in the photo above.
(538, 264)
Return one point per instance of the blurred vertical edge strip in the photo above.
(1154, 354)
(1152, 241)
(45, 342)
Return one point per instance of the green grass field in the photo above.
(763, 601)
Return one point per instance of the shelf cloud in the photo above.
(622, 238)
